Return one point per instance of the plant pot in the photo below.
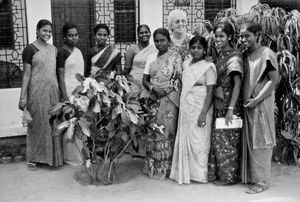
(19, 158)
(7, 159)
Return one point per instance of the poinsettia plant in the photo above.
(105, 112)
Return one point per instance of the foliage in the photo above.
(281, 33)
(105, 112)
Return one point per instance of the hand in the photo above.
(250, 103)
(229, 116)
(22, 104)
(159, 92)
(201, 120)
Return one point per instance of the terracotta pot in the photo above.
(19, 158)
(7, 159)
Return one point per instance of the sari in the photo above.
(192, 143)
(104, 61)
(73, 64)
(225, 143)
(164, 71)
(259, 125)
(42, 95)
(139, 62)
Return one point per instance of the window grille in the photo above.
(7, 29)
(13, 40)
(213, 7)
(125, 20)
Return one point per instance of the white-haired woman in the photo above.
(177, 22)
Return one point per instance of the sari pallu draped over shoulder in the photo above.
(105, 60)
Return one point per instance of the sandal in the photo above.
(256, 188)
(32, 166)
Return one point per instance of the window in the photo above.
(6, 30)
(125, 17)
(211, 8)
(287, 5)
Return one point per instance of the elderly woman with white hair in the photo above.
(177, 22)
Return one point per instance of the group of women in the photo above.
(188, 93)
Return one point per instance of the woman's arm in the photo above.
(157, 91)
(266, 91)
(25, 81)
(128, 61)
(62, 84)
(207, 103)
(234, 96)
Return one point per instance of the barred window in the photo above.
(6, 25)
(125, 20)
(211, 8)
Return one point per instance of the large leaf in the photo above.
(60, 128)
(70, 132)
(84, 127)
(79, 77)
(57, 108)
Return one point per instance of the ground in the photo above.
(17, 183)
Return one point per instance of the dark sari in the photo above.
(102, 61)
(225, 143)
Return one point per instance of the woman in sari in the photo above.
(192, 143)
(225, 143)
(177, 22)
(69, 62)
(162, 78)
(39, 93)
(103, 59)
(137, 55)
(258, 93)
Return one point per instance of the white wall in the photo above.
(10, 115)
(151, 13)
(37, 10)
(243, 6)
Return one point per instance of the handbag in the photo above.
(236, 122)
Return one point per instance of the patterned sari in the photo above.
(42, 94)
(259, 130)
(103, 62)
(192, 142)
(225, 143)
(164, 72)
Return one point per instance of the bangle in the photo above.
(22, 100)
(231, 108)
(150, 88)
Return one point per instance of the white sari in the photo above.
(74, 64)
(190, 158)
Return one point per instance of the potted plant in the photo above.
(106, 112)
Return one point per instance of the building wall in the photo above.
(151, 13)
(10, 119)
